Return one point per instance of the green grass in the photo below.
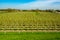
(28, 20)
(30, 36)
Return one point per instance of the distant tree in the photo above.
(58, 10)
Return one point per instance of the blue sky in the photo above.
(15, 1)
(30, 4)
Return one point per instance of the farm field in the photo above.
(29, 21)
(30, 36)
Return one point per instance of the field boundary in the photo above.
(33, 30)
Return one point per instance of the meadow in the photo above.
(26, 26)
(30, 36)
(29, 20)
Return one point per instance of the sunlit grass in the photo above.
(29, 20)
(30, 36)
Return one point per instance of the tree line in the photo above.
(33, 10)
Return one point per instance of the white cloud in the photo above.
(47, 4)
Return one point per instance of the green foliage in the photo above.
(30, 36)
